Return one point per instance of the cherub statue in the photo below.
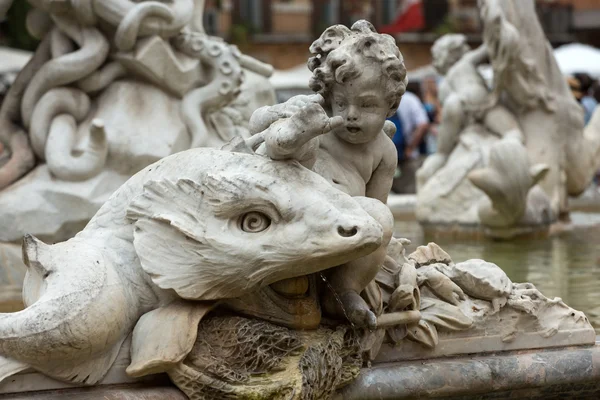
(339, 133)
(465, 98)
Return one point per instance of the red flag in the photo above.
(410, 18)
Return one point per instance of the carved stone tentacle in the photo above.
(68, 68)
(222, 89)
(114, 11)
(129, 28)
(22, 158)
(59, 150)
(103, 77)
(84, 10)
(38, 23)
(55, 102)
(10, 109)
(12, 135)
(60, 44)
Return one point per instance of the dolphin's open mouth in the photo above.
(292, 288)
(293, 303)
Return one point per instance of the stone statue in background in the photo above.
(113, 87)
(503, 150)
(466, 99)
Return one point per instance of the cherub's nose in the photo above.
(352, 115)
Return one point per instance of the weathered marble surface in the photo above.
(117, 392)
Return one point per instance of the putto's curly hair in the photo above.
(338, 54)
(447, 50)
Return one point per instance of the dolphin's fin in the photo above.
(164, 337)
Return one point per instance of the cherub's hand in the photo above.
(312, 120)
(265, 116)
(293, 105)
(291, 137)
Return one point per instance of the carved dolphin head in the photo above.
(245, 222)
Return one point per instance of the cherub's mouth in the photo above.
(353, 129)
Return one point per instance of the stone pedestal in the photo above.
(561, 373)
(116, 392)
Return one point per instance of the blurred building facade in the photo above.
(280, 31)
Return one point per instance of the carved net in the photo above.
(330, 365)
(233, 348)
(240, 358)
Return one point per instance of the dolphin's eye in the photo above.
(254, 222)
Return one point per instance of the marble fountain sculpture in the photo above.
(510, 155)
(113, 87)
(267, 269)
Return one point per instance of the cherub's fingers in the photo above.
(300, 100)
(333, 123)
(290, 110)
(317, 98)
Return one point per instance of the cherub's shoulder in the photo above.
(387, 149)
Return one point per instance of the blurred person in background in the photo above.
(414, 124)
(433, 107)
(588, 102)
(595, 91)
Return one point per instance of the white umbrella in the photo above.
(577, 57)
(293, 78)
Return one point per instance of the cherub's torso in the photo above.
(464, 79)
(349, 167)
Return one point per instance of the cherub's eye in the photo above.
(340, 103)
(254, 222)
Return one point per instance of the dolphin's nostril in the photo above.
(347, 232)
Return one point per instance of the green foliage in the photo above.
(447, 26)
(14, 32)
(239, 34)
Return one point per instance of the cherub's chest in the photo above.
(349, 172)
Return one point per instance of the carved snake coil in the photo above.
(42, 98)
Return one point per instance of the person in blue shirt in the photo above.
(412, 125)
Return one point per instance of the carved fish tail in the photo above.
(68, 331)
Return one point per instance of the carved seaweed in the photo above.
(444, 315)
(424, 333)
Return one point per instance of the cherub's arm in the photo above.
(478, 56)
(380, 184)
(265, 116)
(295, 137)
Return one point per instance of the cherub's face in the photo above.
(440, 62)
(362, 103)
